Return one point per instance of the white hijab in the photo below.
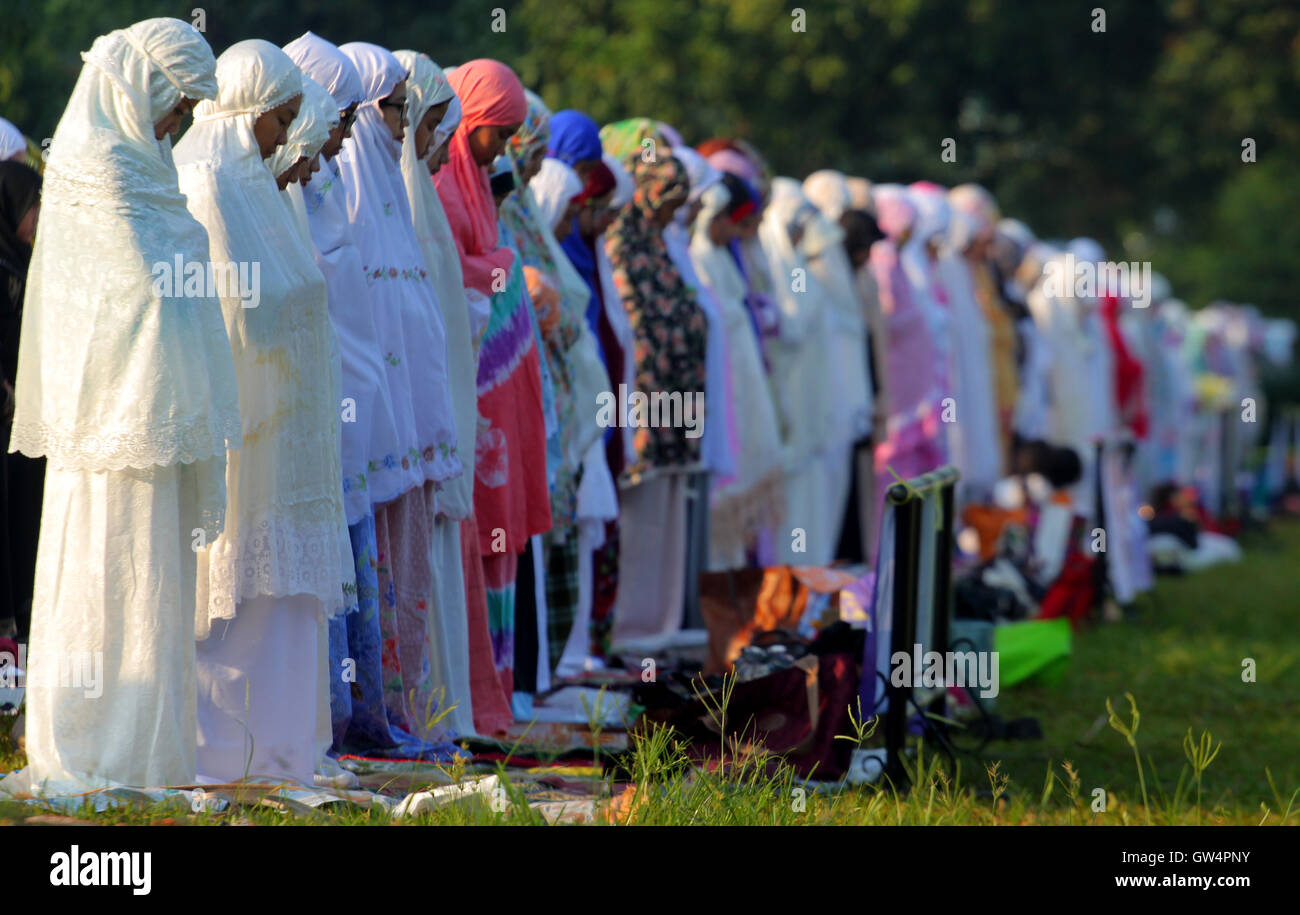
(324, 63)
(802, 381)
(116, 371)
(12, 141)
(548, 195)
(407, 314)
(372, 471)
(974, 440)
(823, 244)
(703, 175)
(552, 188)
(829, 192)
(750, 419)
(284, 519)
(317, 116)
(426, 87)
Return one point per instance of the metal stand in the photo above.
(929, 492)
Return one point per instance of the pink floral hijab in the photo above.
(491, 94)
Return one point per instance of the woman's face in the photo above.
(979, 249)
(721, 230)
(290, 174)
(171, 121)
(340, 133)
(487, 141)
(308, 169)
(271, 129)
(664, 215)
(748, 226)
(565, 225)
(584, 166)
(596, 216)
(533, 165)
(26, 230)
(441, 156)
(393, 109)
(424, 130)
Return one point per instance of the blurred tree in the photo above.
(1130, 133)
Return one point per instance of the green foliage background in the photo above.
(1132, 135)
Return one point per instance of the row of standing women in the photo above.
(324, 395)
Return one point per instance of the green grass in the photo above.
(1180, 661)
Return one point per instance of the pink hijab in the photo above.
(489, 93)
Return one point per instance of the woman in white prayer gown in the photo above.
(973, 439)
(753, 495)
(802, 381)
(413, 335)
(275, 571)
(427, 89)
(293, 164)
(126, 385)
(823, 244)
(1062, 321)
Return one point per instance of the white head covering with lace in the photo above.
(285, 531)
(118, 367)
(407, 316)
(372, 471)
(426, 87)
(317, 116)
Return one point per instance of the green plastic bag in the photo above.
(1036, 651)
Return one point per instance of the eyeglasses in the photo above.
(403, 105)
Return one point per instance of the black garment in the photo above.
(850, 546)
(21, 478)
(1185, 530)
(20, 190)
(526, 647)
(696, 546)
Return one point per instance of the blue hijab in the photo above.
(583, 259)
(574, 137)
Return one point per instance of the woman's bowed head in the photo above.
(171, 121)
(495, 107)
(428, 126)
(393, 108)
(271, 129)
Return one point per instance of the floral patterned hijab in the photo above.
(532, 135)
(669, 326)
(659, 184)
(627, 140)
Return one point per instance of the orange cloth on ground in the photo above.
(989, 521)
